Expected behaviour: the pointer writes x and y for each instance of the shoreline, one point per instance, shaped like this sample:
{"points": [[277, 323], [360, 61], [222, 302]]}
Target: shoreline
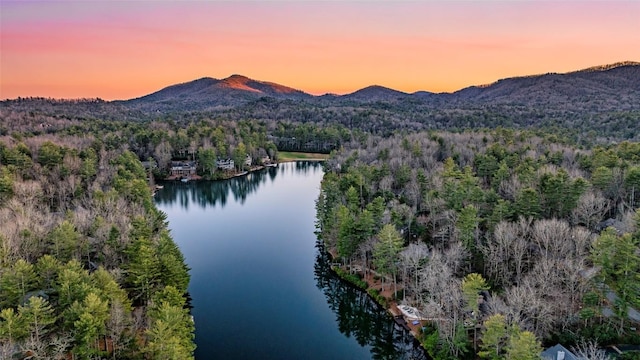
{"points": [[230, 175], [390, 304], [226, 175], [296, 160]]}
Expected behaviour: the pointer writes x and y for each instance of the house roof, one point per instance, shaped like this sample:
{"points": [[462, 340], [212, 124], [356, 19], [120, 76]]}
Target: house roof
{"points": [[553, 352], [179, 165]]}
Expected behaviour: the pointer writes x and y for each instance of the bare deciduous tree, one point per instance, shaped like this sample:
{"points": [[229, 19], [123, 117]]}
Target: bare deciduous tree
{"points": [[588, 350], [454, 256], [582, 239], [590, 209], [59, 346], [118, 322], [412, 258], [36, 347], [507, 253], [434, 278], [534, 311], [163, 154], [553, 237], [510, 188]]}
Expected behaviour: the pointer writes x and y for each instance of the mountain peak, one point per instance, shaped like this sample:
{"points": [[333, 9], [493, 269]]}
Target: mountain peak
{"points": [[375, 93], [239, 82], [237, 77], [208, 92]]}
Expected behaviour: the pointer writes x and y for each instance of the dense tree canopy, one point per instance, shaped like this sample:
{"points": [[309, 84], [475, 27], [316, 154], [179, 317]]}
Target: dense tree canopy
{"points": [[505, 210], [82, 251]]}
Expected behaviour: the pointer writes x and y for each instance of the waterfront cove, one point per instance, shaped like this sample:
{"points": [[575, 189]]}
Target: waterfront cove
{"points": [[261, 286]]}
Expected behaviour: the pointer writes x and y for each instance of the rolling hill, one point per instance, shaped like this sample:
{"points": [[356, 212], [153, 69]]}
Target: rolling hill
{"points": [[609, 86], [209, 93], [375, 93]]}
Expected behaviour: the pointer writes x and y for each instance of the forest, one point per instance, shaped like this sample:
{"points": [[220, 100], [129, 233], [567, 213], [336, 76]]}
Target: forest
{"points": [[88, 269], [498, 237]]}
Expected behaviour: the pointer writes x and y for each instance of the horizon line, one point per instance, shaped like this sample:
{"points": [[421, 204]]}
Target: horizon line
{"points": [[602, 67]]}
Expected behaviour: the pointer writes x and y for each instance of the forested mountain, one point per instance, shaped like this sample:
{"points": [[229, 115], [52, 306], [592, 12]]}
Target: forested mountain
{"points": [[610, 87], [374, 93], [613, 86], [595, 105], [207, 93]]}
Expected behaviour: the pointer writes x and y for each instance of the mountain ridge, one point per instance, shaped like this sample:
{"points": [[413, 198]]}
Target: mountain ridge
{"points": [[236, 89], [619, 81], [603, 100], [611, 87]]}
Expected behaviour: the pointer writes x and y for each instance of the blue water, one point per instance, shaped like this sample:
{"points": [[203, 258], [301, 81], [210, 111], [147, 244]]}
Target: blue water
{"points": [[260, 286]]}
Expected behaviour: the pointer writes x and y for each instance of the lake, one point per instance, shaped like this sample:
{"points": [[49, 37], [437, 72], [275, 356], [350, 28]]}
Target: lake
{"points": [[260, 284]]}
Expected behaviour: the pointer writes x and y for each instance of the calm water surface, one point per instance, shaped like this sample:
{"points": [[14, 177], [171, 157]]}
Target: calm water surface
{"points": [[260, 285]]}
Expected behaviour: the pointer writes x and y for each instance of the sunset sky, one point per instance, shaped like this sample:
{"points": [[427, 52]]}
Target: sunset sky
{"points": [[125, 49]]}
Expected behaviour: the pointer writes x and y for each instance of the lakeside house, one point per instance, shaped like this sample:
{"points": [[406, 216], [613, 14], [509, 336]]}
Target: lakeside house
{"points": [[229, 164], [183, 168], [226, 164]]}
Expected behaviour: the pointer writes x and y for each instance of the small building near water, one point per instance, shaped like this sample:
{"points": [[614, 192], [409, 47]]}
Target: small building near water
{"points": [[225, 164], [183, 168]]}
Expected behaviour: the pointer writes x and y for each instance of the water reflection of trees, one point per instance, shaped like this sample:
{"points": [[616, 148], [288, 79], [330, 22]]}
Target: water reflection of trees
{"points": [[304, 166], [211, 193], [359, 316]]}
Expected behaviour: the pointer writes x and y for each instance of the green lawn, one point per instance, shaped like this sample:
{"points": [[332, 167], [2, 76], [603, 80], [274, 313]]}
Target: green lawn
{"points": [[291, 156]]}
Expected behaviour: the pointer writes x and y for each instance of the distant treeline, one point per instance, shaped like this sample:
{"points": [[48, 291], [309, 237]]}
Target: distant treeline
{"points": [[586, 120]]}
